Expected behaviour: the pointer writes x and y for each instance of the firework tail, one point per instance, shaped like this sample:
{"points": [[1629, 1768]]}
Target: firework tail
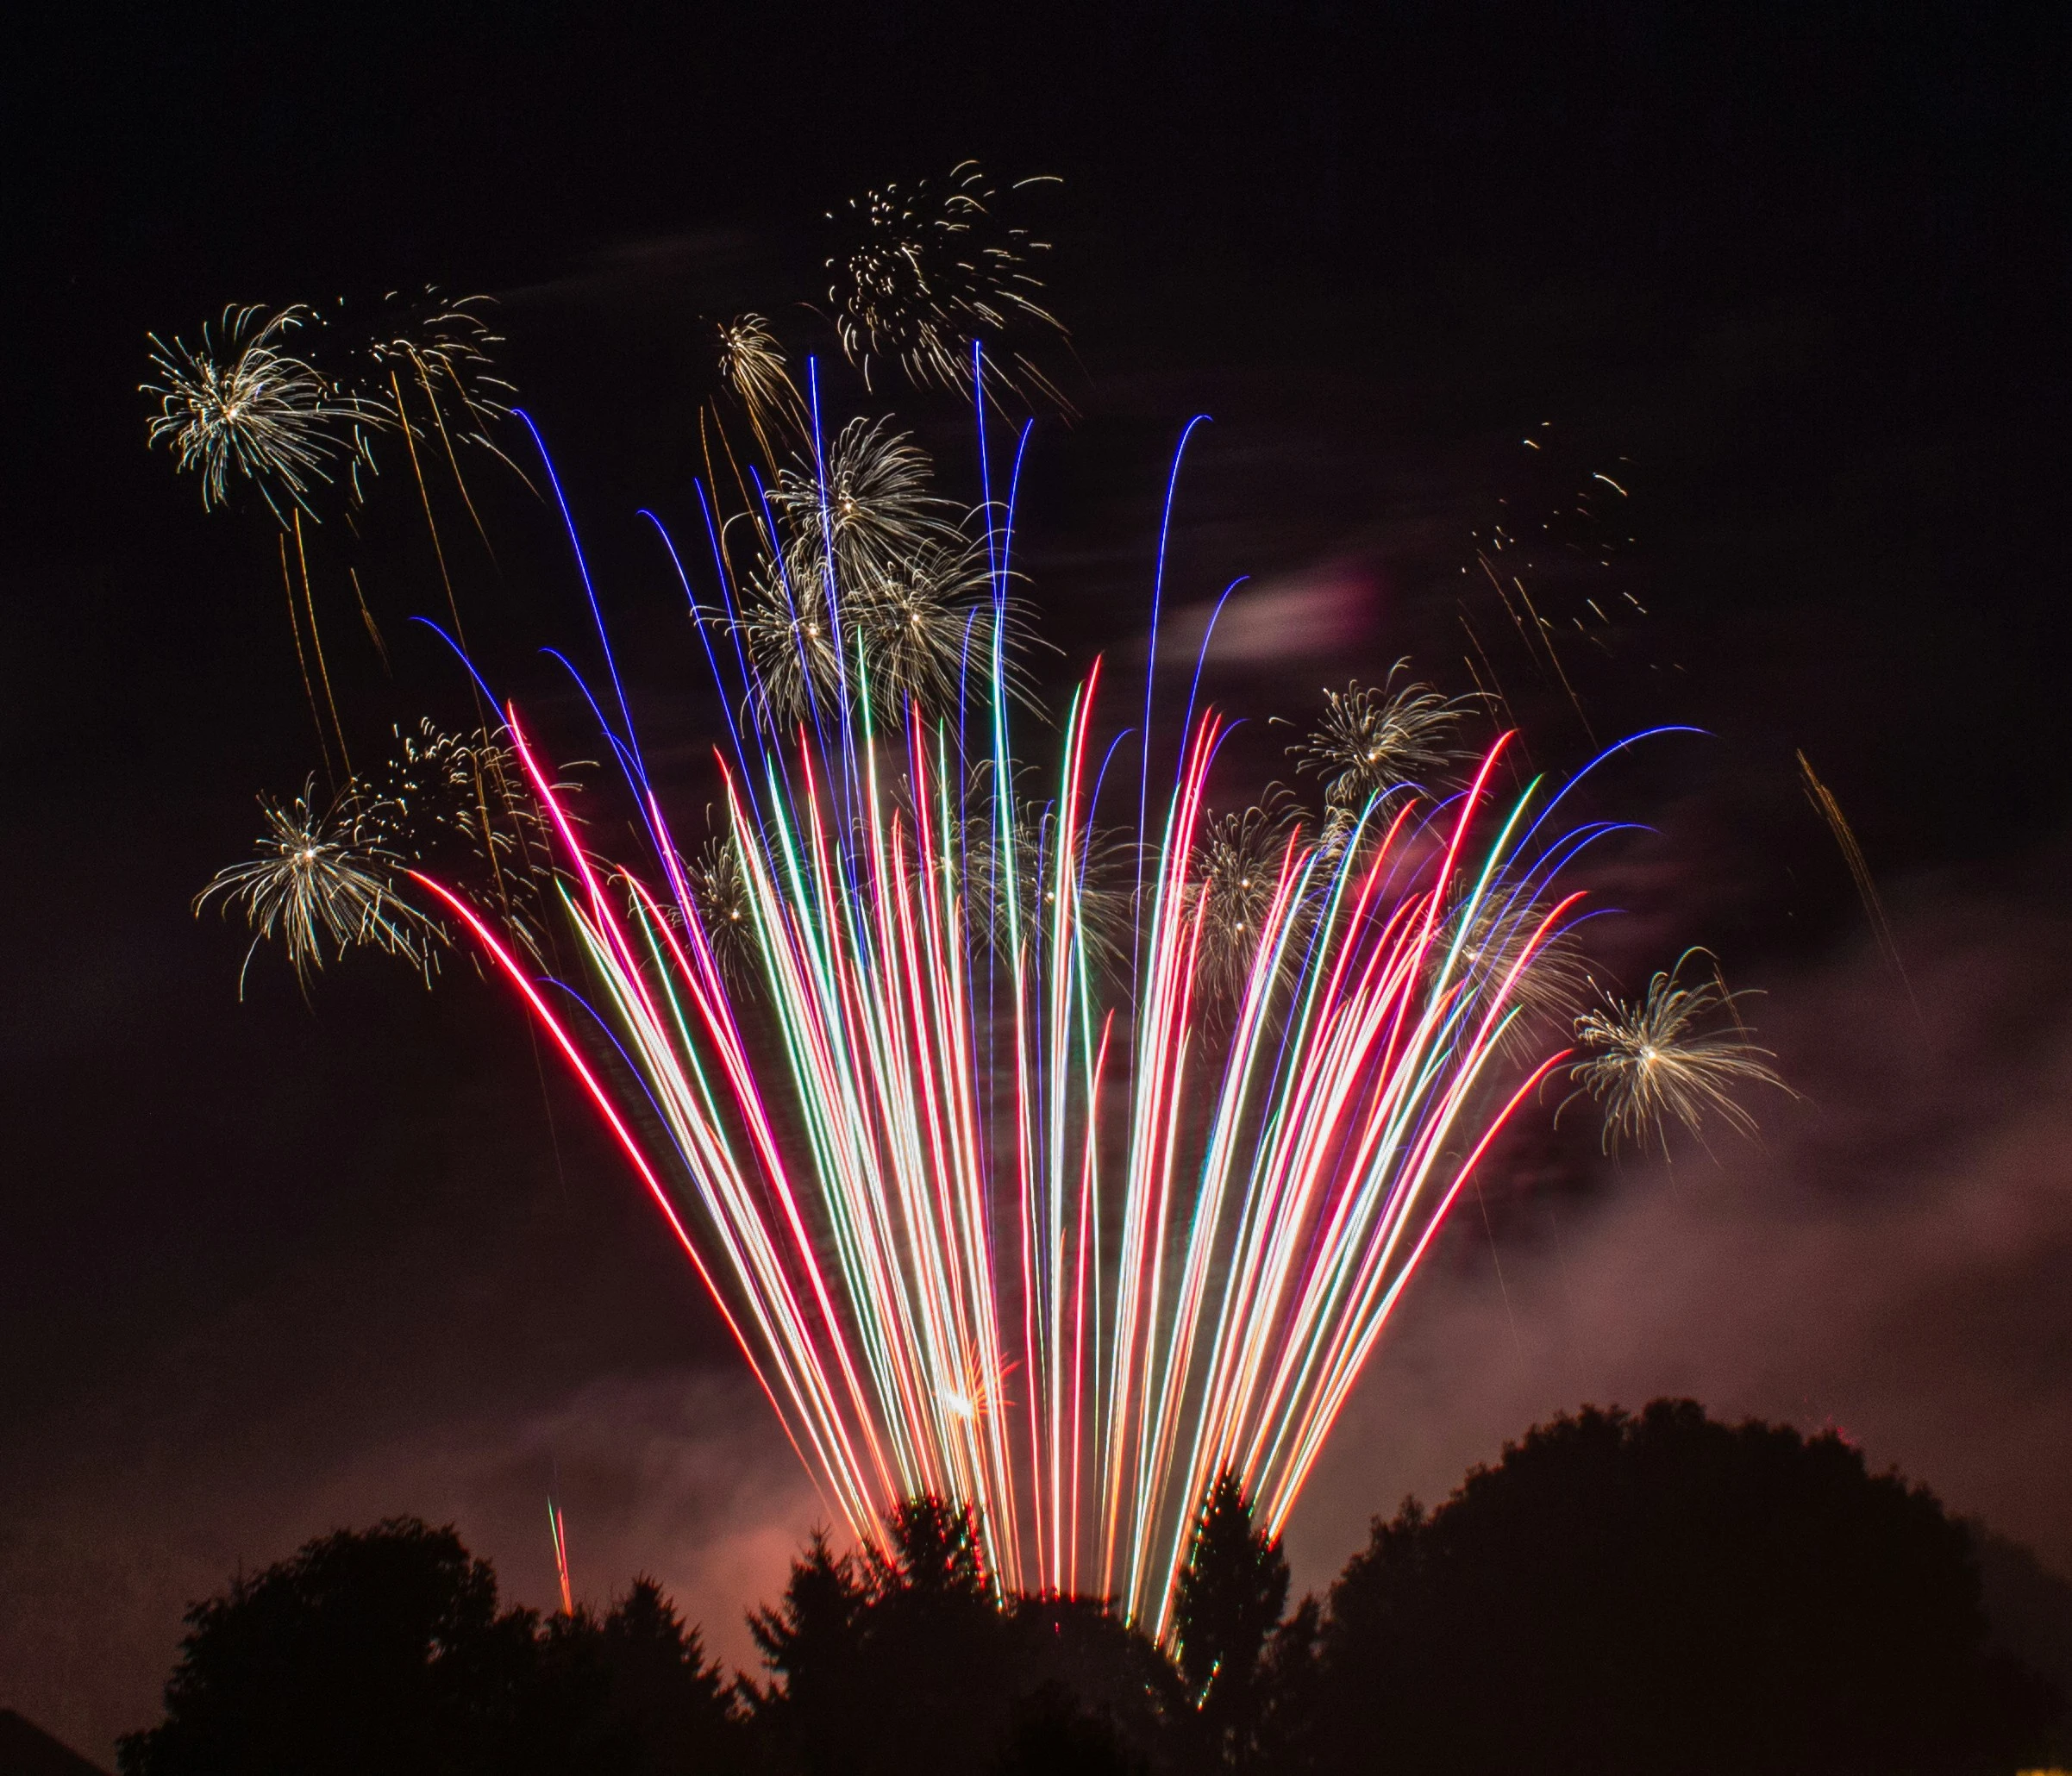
{"points": [[1830, 810], [323, 672], [559, 1529], [302, 661]]}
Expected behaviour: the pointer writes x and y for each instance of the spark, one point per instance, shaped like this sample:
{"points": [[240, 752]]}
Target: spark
{"points": [[1830, 809]]}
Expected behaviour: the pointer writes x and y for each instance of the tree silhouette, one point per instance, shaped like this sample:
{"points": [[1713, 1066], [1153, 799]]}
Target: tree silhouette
{"points": [[382, 1650], [1291, 1684], [1231, 1596], [1625, 1594], [632, 1694], [892, 1661], [385, 1650], [1617, 1595], [912, 1661], [1073, 1649]]}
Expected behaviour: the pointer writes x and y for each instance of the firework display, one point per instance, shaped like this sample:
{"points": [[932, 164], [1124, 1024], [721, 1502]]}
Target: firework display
{"points": [[992, 1229], [1041, 1152]]}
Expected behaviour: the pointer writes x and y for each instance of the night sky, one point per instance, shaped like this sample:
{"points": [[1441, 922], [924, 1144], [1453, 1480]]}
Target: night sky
{"points": [[270, 1268]]}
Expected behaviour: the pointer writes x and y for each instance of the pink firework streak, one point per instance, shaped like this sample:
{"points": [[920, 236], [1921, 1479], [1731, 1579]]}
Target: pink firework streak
{"points": [[988, 1223]]}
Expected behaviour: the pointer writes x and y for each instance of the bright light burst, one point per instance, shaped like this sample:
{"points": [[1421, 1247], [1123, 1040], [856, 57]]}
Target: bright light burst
{"points": [[866, 551], [446, 342], [752, 364], [242, 403], [1237, 871], [865, 509], [1648, 1063]]}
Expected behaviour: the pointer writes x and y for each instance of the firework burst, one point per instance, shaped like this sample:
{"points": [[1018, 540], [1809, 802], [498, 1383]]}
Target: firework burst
{"points": [[861, 515], [1499, 934], [324, 877], [1649, 1063], [924, 272], [1237, 871], [865, 551], [241, 404], [726, 912], [787, 628], [462, 804], [447, 344], [1375, 742], [751, 364]]}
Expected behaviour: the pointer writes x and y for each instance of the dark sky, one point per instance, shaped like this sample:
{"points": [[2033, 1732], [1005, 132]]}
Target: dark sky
{"points": [[267, 1268]]}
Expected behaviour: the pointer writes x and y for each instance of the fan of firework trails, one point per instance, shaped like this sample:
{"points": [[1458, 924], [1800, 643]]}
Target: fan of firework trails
{"points": [[1047, 1141]]}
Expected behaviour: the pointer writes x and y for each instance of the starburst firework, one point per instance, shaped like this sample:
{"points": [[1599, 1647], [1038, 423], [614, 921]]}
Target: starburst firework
{"points": [[1374, 742], [752, 365], [866, 551], [925, 273], [241, 404], [1237, 871], [323, 877], [1649, 1063]]}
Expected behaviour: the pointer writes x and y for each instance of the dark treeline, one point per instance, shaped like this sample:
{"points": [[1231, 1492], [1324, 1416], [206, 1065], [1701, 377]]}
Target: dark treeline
{"points": [[1618, 1594]]}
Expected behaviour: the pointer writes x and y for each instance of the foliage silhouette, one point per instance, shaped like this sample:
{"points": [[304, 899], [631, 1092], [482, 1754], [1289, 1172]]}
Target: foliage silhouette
{"points": [[1054, 1734], [632, 1694], [1624, 1594], [2031, 1610]]}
